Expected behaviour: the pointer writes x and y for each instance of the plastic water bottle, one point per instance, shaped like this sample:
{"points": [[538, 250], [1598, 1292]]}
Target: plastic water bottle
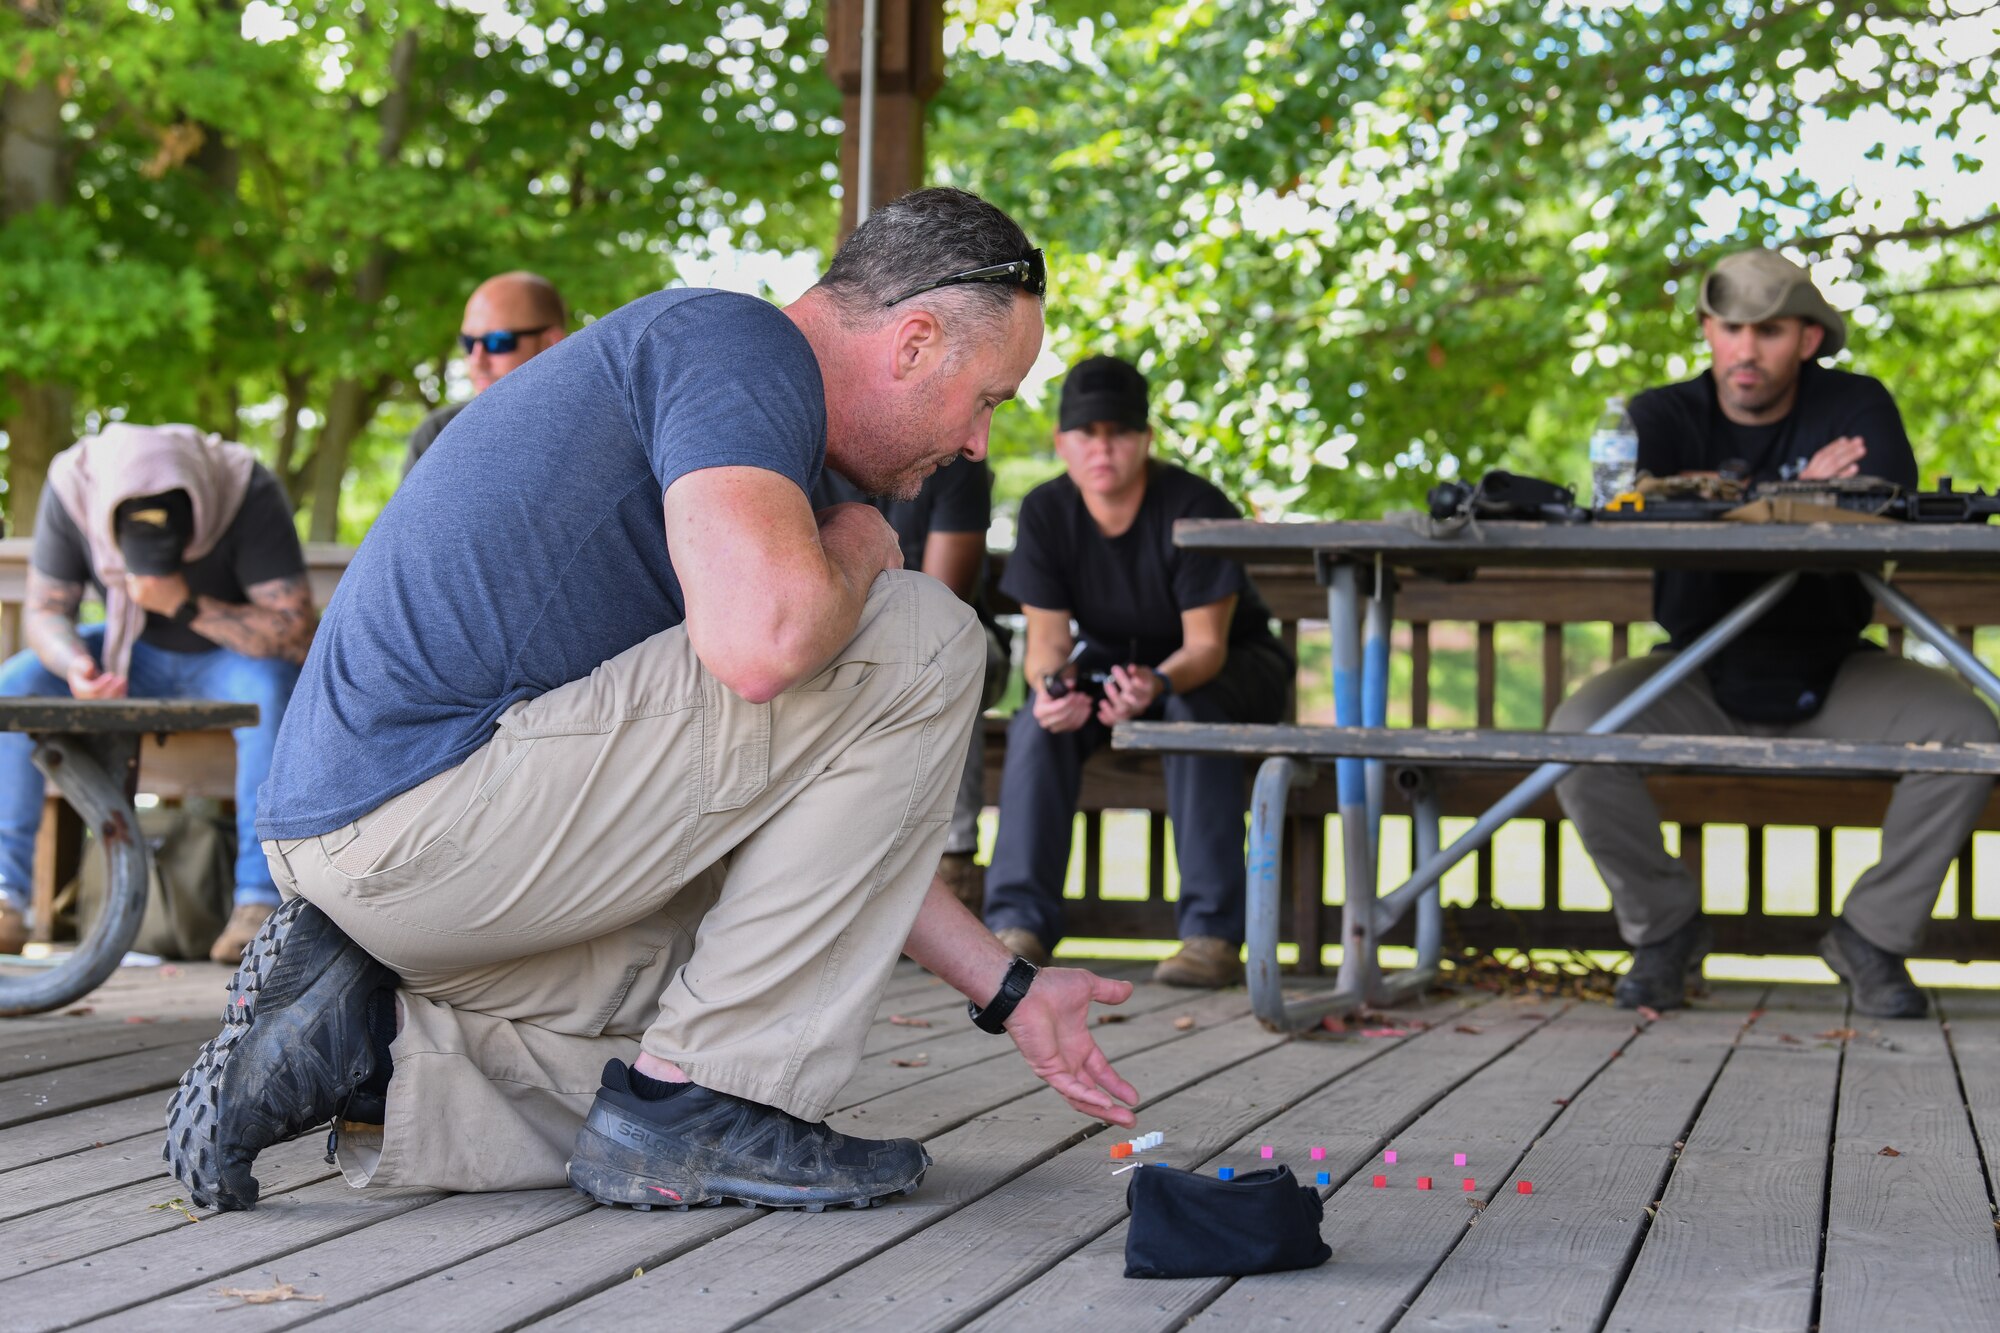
{"points": [[1614, 454]]}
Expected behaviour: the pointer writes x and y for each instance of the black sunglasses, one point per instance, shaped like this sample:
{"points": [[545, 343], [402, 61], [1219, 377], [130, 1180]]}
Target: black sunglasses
{"points": [[499, 342], [1031, 275]]}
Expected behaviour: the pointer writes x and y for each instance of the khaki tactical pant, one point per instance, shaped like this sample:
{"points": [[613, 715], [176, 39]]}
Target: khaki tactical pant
{"points": [[642, 859], [1875, 697]]}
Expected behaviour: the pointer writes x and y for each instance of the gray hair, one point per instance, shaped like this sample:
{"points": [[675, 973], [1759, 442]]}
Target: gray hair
{"points": [[919, 238]]}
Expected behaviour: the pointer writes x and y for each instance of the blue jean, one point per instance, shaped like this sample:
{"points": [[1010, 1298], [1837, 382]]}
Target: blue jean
{"points": [[156, 674]]}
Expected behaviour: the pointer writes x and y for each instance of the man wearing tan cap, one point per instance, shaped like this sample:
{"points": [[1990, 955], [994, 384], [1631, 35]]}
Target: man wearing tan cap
{"points": [[1803, 670]]}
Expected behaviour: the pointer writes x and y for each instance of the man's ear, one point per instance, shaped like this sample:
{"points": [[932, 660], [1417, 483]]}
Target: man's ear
{"points": [[917, 344], [1810, 338]]}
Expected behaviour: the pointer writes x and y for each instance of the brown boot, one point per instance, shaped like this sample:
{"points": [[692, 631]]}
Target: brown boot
{"points": [[13, 928], [966, 879], [244, 923], [1024, 943], [1204, 961]]}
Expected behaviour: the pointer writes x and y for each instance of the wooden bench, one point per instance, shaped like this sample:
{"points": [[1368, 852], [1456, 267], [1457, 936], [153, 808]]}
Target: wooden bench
{"points": [[175, 765]]}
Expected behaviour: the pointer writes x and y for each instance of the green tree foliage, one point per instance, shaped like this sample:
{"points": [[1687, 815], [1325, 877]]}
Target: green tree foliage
{"points": [[1360, 246], [268, 216]]}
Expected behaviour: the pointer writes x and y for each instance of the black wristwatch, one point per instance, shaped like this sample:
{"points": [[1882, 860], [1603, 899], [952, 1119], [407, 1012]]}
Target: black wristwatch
{"points": [[185, 613], [1166, 681], [1013, 987]]}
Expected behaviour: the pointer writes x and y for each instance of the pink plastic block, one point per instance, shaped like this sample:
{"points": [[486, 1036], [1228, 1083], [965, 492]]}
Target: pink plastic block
{"points": [[1468, 1184], [1458, 1159], [1525, 1187], [1265, 1152], [1319, 1154], [1381, 1182], [1389, 1156]]}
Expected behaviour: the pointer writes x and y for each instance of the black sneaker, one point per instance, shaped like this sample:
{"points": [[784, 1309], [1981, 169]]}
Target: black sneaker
{"points": [[1661, 973], [295, 1051], [1877, 980], [700, 1147]]}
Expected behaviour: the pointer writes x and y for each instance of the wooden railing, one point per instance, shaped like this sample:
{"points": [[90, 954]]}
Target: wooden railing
{"points": [[1432, 614]]}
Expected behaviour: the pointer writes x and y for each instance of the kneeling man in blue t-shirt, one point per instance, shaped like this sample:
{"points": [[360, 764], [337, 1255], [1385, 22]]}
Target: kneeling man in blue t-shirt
{"points": [[615, 781]]}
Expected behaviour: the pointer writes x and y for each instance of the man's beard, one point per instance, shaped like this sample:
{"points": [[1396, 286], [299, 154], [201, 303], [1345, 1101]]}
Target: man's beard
{"points": [[889, 472]]}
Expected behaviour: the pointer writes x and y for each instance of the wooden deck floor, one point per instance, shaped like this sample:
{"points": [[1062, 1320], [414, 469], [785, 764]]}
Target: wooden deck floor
{"points": [[1749, 1164]]}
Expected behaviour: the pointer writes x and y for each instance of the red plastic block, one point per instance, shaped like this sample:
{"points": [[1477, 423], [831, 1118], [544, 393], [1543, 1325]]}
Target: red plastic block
{"points": [[1381, 1182], [1423, 1182], [1525, 1187], [1468, 1184]]}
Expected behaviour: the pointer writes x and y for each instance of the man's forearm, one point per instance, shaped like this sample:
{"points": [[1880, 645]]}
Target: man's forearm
{"points": [[49, 622], [254, 631], [1194, 665], [950, 942]]}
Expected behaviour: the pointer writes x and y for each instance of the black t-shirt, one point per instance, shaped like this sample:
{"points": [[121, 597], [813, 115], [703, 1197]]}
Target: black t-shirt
{"points": [[958, 497], [260, 544], [1780, 668], [1127, 592], [427, 432]]}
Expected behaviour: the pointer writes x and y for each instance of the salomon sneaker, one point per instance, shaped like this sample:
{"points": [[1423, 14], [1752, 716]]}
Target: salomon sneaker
{"points": [[696, 1146], [1661, 973], [304, 1039]]}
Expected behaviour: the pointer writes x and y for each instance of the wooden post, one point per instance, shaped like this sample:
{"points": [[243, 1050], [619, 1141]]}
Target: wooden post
{"points": [[908, 72]]}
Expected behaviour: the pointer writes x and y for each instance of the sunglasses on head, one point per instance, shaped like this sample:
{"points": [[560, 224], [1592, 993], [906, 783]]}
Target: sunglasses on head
{"points": [[1031, 275], [499, 342]]}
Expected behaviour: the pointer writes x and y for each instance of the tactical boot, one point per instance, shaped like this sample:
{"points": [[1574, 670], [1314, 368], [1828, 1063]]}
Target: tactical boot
{"points": [[304, 1039], [1204, 962], [1661, 973], [1025, 943], [242, 927], [966, 879], [1877, 980], [696, 1146]]}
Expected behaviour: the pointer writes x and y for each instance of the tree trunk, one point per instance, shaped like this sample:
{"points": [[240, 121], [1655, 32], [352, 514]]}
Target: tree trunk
{"points": [[353, 402], [33, 172]]}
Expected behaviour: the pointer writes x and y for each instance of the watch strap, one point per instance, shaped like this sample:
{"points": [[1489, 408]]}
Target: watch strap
{"points": [[1013, 988], [184, 614]]}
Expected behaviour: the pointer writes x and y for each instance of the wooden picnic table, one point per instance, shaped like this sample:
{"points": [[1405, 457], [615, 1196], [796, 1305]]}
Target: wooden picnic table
{"points": [[1360, 564], [88, 749]]}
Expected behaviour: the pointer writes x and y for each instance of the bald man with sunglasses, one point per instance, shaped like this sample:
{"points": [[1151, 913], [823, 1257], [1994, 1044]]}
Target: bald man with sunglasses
{"points": [[508, 319]]}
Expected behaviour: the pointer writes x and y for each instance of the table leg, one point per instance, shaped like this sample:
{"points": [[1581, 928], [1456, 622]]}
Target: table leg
{"points": [[1684, 664], [1358, 969], [94, 775], [1275, 779], [1937, 636]]}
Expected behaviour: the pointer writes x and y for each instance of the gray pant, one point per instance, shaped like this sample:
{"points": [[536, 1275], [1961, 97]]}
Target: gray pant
{"points": [[963, 837], [1875, 697]]}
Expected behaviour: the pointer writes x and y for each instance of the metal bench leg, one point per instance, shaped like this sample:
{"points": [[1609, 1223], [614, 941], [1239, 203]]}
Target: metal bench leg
{"points": [[1275, 780], [93, 775], [1359, 972], [1937, 636]]}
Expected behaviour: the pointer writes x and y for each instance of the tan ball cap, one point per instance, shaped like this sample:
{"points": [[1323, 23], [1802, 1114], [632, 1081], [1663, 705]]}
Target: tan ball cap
{"points": [[1757, 285]]}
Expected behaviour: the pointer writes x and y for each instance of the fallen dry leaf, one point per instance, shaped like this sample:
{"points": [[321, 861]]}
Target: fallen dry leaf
{"points": [[1789, 1039], [914, 1062], [140, 1018], [1468, 1029], [1837, 1034], [1536, 1016], [1562, 1101], [1385, 1032], [1186, 1021], [1102, 1019], [1888, 1152], [904, 1021], [81, 1011], [169, 970], [638, 1272], [1331, 1023], [283, 1291], [173, 1205], [1650, 1014]]}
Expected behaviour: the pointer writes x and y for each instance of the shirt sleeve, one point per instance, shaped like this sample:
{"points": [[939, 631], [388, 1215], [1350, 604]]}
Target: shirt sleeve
{"points": [[1662, 436], [964, 500], [1037, 572], [60, 553], [727, 381], [267, 540], [1875, 418], [1200, 578]]}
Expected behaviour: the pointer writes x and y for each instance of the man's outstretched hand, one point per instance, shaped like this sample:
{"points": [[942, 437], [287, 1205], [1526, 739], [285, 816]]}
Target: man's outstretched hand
{"points": [[1051, 1025]]}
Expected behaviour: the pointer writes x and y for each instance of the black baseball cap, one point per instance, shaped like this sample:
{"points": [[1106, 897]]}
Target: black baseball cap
{"points": [[153, 531], [1103, 388]]}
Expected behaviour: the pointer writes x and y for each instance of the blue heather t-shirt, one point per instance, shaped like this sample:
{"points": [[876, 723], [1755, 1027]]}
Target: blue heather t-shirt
{"points": [[527, 546]]}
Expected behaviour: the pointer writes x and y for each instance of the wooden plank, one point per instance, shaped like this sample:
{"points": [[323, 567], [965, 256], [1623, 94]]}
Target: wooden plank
{"points": [[83, 1227], [82, 1131], [102, 716], [1555, 1258], [40, 1095], [983, 1253], [46, 1055], [544, 1273], [1707, 753], [1734, 1243], [1910, 1238]]}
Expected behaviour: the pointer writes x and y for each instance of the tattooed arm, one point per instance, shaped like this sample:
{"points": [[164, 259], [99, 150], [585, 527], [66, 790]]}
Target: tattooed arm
{"points": [[277, 621], [51, 627]]}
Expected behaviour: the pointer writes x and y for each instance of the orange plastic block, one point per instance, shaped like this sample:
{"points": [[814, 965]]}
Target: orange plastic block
{"points": [[1121, 1150]]}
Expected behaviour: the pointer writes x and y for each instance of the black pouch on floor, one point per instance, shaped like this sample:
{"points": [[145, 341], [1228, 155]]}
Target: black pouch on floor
{"points": [[1185, 1225]]}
